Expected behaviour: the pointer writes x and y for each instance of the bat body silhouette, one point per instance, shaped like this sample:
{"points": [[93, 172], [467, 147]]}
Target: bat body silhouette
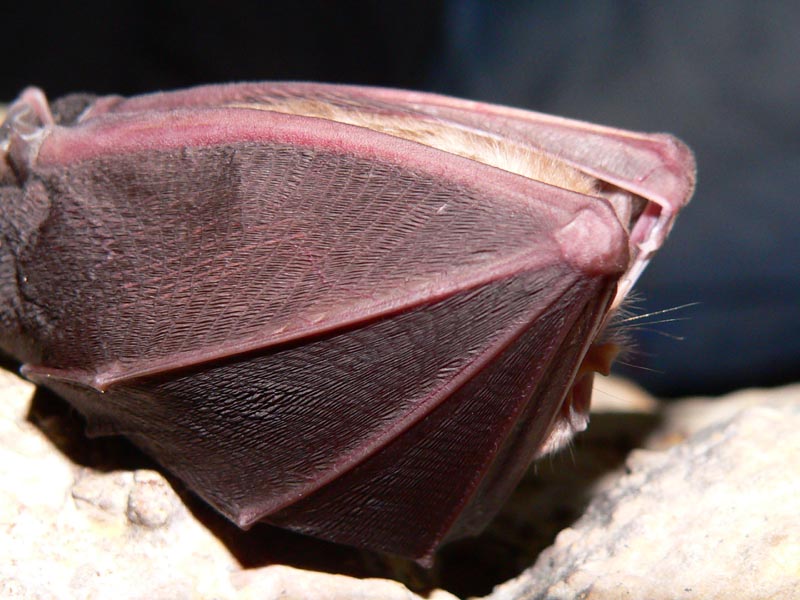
{"points": [[352, 312]]}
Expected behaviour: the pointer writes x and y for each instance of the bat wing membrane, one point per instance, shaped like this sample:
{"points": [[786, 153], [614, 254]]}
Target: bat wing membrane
{"points": [[657, 169], [311, 307]]}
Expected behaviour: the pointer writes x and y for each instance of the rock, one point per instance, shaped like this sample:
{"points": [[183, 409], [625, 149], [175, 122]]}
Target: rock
{"points": [[705, 508], [151, 502], [286, 583], [713, 516]]}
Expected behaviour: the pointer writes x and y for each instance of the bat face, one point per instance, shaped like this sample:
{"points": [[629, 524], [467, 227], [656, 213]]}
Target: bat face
{"points": [[353, 312]]}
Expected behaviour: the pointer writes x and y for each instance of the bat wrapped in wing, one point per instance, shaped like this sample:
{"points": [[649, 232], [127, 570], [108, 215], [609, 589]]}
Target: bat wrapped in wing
{"points": [[352, 312]]}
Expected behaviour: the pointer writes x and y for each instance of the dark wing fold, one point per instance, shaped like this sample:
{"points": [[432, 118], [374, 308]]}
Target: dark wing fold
{"points": [[448, 475], [381, 436]]}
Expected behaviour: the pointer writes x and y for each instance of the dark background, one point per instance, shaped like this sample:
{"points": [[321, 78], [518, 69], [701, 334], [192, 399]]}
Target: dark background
{"points": [[725, 77]]}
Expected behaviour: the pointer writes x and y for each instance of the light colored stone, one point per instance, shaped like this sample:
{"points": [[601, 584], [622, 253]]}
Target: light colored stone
{"points": [[288, 583], [689, 415], [617, 395], [715, 515], [151, 502]]}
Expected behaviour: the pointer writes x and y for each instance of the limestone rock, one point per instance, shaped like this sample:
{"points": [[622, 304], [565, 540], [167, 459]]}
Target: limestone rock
{"points": [[713, 516]]}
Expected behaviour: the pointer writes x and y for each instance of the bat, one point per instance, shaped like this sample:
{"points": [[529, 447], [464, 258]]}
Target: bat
{"points": [[356, 313]]}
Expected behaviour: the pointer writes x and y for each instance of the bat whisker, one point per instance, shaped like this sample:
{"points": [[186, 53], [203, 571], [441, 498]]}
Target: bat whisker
{"points": [[672, 320], [678, 338], [600, 390], [659, 312], [570, 447], [640, 367]]}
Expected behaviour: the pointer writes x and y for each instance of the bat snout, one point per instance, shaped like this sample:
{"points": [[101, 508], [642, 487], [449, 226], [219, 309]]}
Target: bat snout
{"points": [[573, 417]]}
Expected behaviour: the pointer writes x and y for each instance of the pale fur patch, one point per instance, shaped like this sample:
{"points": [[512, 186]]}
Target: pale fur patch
{"points": [[448, 137]]}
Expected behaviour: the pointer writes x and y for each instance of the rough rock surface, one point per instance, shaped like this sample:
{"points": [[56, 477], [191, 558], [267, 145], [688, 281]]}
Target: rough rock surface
{"points": [[706, 508], [714, 516]]}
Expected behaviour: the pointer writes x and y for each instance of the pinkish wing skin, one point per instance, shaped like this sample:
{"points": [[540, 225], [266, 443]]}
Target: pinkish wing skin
{"points": [[657, 168], [346, 333]]}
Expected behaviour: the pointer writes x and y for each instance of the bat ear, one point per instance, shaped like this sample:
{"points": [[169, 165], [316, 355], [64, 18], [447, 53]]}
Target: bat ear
{"points": [[30, 111], [22, 133]]}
